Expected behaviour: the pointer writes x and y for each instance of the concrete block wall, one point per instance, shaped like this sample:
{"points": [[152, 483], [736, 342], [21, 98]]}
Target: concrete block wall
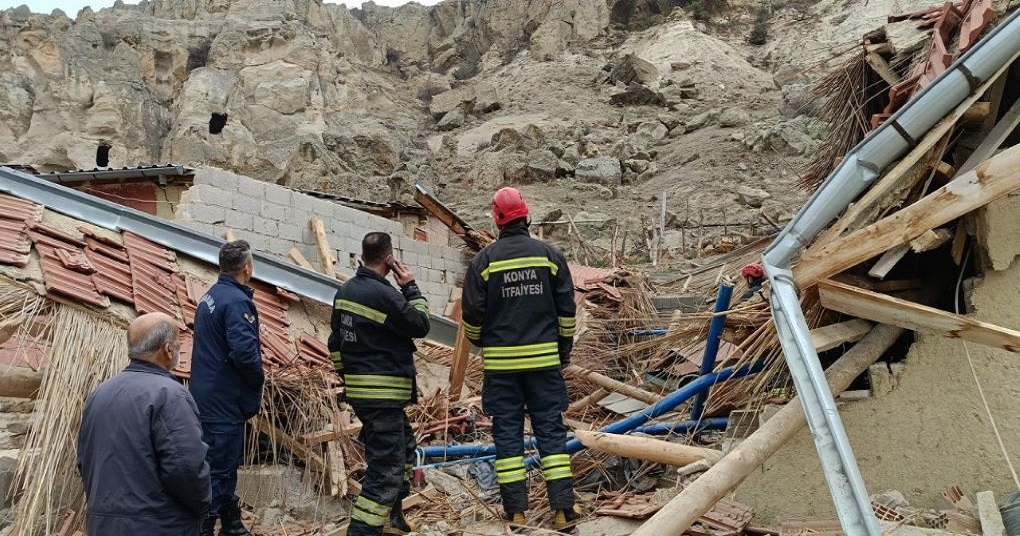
{"points": [[273, 219]]}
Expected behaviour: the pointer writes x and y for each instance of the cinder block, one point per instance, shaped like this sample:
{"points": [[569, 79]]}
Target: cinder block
{"points": [[409, 258], [266, 227], [280, 246], [273, 211], [218, 197], [251, 188], [238, 220], [257, 241], [219, 178], [250, 205], [200, 227], [290, 232], [207, 213]]}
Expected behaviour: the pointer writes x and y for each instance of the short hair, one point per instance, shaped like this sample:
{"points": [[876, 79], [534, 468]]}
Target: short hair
{"points": [[375, 247], [161, 333], [234, 255]]}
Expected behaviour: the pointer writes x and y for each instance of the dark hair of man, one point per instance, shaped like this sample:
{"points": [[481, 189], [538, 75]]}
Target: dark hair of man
{"points": [[233, 256], [375, 247]]}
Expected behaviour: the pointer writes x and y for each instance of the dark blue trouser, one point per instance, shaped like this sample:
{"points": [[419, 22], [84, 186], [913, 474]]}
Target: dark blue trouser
{"points": [[389, 453], [226, 445], [543, 394]]}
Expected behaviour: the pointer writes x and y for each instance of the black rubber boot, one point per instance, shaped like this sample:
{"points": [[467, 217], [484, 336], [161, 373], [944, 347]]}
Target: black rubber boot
{"points": [[230, 522], [398, 525], [209, 526]]}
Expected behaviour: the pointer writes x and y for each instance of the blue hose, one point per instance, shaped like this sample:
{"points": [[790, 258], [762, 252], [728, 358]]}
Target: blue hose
{"points": [[681, 427]]}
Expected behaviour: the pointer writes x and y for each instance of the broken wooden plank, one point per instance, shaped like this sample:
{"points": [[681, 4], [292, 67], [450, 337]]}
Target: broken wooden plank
{"points": [[700, 496], [930, 239], [978, 113], [313, 460], [995, 138], [959, 244], [888, 261], [896, 312], [325, 251], [458, 366], [880, 66], [646, 448], [834, 335], [586, 401], [891, 285], [337, 469], [613, 385], [988, 513], [229, 235], [326, 436], [990, 181], [299, 259]]}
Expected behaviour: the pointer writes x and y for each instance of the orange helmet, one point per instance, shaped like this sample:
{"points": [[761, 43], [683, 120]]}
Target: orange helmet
{"points": [[753, 270], [508, 205]]}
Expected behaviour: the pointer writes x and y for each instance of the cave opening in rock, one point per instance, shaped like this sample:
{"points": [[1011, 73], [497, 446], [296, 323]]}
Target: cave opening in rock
{"points": [[217, 122], [103, 155]]}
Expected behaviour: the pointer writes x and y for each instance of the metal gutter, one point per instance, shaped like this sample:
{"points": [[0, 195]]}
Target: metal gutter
{"points": [[201, 246], [856, 172], [160, 173]]}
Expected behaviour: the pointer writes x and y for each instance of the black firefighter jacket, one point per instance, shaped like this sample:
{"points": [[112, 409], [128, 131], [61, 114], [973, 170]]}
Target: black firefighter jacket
{"points": [[371, 340], [518, 304], [141, 456]]}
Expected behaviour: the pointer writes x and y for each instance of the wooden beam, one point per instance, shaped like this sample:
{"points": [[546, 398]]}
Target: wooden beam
{"points": [[831, 336], [896, 312], [458, 366], [931, 239], [326, 436], [991, 180], [313, 460], [586, 401], [892, 285], [995, 138], [229, 235], [322, 246], [337, 469], [646, 448], [889, 261], [677, 516], [991, 518], [854, 215], [613, 385], [880, 66], [299, 259], [977, 114]]}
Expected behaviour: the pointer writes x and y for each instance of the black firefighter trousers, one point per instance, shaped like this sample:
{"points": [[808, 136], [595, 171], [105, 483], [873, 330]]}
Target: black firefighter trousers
{"points": [[543, 394], [389, 452]]}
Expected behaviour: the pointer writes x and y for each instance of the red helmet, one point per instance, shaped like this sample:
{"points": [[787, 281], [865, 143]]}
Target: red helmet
{"points": [[753, 270], [508, 205]]}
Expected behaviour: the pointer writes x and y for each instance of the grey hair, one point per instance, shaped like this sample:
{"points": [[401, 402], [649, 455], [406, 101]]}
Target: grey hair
{"points": [[160, 334], [233, 256]]}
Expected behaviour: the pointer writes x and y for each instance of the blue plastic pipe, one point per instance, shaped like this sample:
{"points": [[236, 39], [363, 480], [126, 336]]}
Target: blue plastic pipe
{"points": [[681, 427], [715, 329]]}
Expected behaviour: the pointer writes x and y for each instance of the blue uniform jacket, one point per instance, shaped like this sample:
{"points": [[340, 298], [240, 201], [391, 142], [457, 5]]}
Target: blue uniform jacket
{"points": [[226, 361], [141, 456]]}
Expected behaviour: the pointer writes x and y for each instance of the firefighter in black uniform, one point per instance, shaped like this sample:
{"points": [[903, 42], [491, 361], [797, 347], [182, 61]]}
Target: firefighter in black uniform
{"points": [[372, 349], [518, 306]]}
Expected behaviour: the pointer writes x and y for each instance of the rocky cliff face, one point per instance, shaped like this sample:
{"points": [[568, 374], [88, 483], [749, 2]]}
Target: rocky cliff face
{"points": [[594, 105]]}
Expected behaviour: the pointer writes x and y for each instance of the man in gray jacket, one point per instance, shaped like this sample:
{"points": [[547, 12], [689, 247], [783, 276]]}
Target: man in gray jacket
{"points": [[140, 450]]}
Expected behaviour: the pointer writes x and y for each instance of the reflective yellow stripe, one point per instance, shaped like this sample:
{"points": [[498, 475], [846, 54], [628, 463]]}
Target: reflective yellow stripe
{"points": [[338, 362], [369, 512], [567, 332], [509, 463], [525, 363], [421, 304], [372, 380], [520, 351], [378, 394], [510, 477], [360, 310], [554, 460], [473, 332], [566, 321], [558, 473], [518, 263], [371, 506]]}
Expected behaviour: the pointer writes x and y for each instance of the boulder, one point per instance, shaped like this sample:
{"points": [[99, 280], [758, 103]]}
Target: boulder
{"points": [[603, 170], [734, 117], [702, 120], [632, 69], [453, 119], [542, 165], [637, 166], [638, 95], [652, 131], [750, 196]]}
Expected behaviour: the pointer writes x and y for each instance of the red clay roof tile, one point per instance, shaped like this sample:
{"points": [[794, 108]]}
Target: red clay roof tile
{"points": [[69, 283]]}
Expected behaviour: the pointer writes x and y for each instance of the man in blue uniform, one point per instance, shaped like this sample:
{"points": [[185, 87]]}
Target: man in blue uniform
{"points": [[519, 308], [140, 450], [373, 327], [227, 379]]}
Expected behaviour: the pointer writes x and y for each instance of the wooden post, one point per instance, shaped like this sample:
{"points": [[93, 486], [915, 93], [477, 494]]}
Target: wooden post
{"points": [[698, 498], [300, 259], [991, 180], [584, 402], [662, 230], [322, 246], [459, 365], [616, 233], [613, 385], [337, 469], [646, 448]]}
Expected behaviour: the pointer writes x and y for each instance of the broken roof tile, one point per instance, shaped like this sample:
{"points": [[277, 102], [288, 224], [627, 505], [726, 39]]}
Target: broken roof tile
{"points": [[119, 254], [53, 232], [72, 284], [152, 253], [75, 260], [183, 368]]}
